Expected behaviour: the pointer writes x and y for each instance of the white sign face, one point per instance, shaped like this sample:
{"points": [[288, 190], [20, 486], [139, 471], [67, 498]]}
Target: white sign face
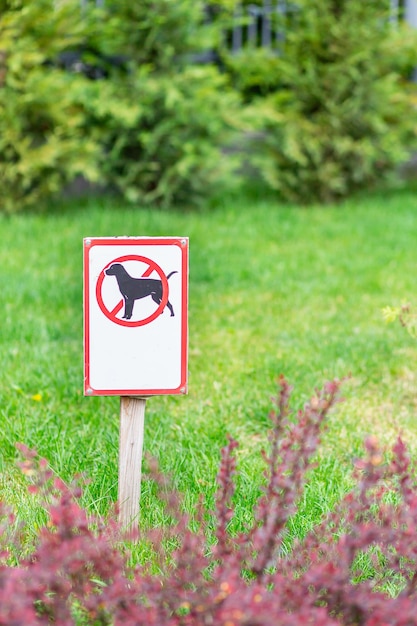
{"points": [[135, 316]]}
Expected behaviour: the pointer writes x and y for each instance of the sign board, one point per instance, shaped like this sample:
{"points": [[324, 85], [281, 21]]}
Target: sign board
{"points": [[135, 316]]}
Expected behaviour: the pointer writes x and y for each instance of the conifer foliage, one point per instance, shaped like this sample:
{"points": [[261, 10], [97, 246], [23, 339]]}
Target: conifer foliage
{"points": [[334, 108]]}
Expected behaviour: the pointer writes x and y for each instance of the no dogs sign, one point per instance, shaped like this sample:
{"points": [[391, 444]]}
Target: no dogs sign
{"points": [[135, 316]]}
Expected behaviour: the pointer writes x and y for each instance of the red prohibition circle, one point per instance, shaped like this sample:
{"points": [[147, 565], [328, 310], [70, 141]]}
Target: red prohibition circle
{"points": [[111, 315]]}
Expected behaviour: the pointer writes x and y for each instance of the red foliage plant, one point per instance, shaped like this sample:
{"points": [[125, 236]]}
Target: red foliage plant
{"points": [[78, 573]]}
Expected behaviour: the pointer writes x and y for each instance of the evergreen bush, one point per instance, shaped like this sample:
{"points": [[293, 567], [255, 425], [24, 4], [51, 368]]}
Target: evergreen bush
{"points": [[336, 113], [113, 94], [163, 142], [165, 122], [356, 568], [42, 141]]}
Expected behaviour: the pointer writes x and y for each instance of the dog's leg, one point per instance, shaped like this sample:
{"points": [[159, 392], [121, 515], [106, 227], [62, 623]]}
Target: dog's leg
{"points": [[128, 308], [156, 298]]}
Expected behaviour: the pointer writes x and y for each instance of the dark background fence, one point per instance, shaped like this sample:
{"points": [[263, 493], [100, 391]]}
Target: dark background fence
{"points": [[265, 24]]}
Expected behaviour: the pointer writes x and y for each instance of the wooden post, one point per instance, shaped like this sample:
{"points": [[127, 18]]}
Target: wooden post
{"points": [[132, 419]]}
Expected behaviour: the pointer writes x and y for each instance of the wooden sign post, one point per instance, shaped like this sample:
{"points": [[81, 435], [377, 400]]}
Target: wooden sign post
{"points": [[135, 337], [132, 421]]}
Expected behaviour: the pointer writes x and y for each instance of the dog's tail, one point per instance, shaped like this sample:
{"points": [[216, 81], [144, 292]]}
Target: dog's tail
{"points": [[170, 274]]}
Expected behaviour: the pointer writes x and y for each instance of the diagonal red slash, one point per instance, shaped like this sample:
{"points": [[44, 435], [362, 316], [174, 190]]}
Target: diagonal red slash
{"points": [[117, 308]]}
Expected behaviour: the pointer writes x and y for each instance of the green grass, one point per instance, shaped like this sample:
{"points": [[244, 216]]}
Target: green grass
{"points": [[273, 289]]}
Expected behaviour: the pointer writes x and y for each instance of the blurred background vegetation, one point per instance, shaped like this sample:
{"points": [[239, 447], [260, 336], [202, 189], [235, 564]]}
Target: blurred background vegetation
{"points": [[172, 102]]}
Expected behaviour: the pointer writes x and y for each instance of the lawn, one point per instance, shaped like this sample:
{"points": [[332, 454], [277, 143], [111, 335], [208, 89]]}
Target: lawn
{"points": [[274, 289]]}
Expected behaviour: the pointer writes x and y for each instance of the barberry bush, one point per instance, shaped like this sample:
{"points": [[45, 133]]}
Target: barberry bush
{"points": [[357, 567]]}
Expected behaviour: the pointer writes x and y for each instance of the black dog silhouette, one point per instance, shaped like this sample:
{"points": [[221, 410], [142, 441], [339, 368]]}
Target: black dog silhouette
{"points": [[135, 288]]}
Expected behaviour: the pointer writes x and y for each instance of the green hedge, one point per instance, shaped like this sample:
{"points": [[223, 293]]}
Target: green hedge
{"points": [[167, 118], [135, 112], [334, 109], [42, 142], [169, 151], [151, 127]]}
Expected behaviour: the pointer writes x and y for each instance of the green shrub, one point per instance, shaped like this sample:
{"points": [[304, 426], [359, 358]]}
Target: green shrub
{"points": [[337, 113], [42, 144], [158, 33], [162, 137], [152, 127], [164, 122]]}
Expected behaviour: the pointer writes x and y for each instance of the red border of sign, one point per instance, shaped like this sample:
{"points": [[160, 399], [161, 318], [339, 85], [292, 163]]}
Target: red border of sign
{"points": [[182, 243]]}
